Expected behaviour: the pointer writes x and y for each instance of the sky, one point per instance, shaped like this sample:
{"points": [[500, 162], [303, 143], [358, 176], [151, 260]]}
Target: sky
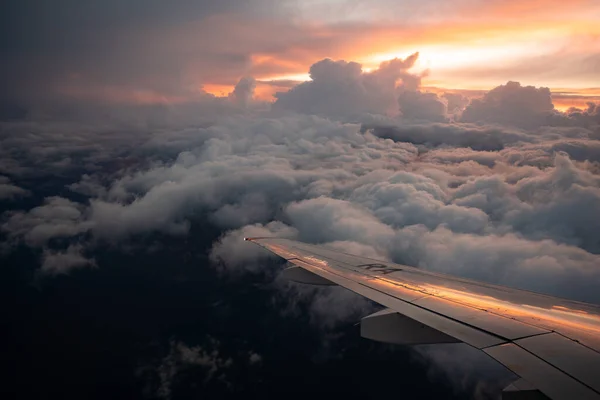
{"points": [[141, 141], [155, 51]]}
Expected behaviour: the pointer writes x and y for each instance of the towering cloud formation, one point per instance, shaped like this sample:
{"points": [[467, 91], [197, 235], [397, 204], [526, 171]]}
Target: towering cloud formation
{"points": [[243, 92], [342, 88], [422, 106], [513, 105]]}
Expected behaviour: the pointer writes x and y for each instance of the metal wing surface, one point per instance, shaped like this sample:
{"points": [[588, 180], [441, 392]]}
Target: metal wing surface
{"points": [[553, 344]]}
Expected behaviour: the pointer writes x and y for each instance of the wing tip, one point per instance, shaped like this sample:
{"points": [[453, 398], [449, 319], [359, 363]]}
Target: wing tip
{"points": [[251, 239]]}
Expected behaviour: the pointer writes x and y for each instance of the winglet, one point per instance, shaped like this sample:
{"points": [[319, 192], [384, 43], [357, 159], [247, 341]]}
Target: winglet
{"points": [[251, 239]]}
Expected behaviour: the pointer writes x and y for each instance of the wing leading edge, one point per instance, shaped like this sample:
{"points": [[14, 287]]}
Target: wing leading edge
{"points": [[552, 344]]}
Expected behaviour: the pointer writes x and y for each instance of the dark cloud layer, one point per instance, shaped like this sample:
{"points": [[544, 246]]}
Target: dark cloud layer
{"points": [[45, 45]]}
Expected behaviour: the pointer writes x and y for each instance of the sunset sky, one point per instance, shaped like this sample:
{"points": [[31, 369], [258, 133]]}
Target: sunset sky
{"points": [[156, 51]]}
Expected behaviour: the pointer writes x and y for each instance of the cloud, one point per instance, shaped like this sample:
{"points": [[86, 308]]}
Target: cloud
{"points": [[107, 129], [9, 191], [470, 370], [385, 187], [456, 101], [560, 204], [254, 358], [143, 51], [386, 191], [56, 218], [212, 364], [587, 117], [490, 138], [503, 204], [328, 307], [243, 93], [325, 220], [182, 357], [424, 106], [58, 262], [233, 254], [342, 88], [507, 259], [512, 105]]}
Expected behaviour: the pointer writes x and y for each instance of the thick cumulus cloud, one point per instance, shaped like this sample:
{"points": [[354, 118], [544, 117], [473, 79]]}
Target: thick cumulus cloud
{"points": [[422, 106], [243, 93], [513, 105], [341, 88], [56, 218]]}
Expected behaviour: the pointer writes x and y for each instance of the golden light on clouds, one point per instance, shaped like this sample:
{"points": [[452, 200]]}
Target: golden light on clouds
{"points": [[539, 42], [463, 44]]}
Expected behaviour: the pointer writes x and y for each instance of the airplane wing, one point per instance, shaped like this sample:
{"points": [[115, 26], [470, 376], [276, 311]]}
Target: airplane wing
{"points": [[552, 344]]}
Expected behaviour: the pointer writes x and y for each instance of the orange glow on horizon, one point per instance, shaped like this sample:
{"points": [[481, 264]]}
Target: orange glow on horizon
{"points": [[474, 46], [563, 104], [217, 89]]}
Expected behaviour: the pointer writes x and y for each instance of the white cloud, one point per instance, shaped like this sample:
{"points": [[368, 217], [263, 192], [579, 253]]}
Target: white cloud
{"points": [[56, 218], [342, 88]]}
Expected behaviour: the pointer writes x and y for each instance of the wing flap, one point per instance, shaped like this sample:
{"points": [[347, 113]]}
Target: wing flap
{"points": [[548, 379], [470, 335], [566, 355]]}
